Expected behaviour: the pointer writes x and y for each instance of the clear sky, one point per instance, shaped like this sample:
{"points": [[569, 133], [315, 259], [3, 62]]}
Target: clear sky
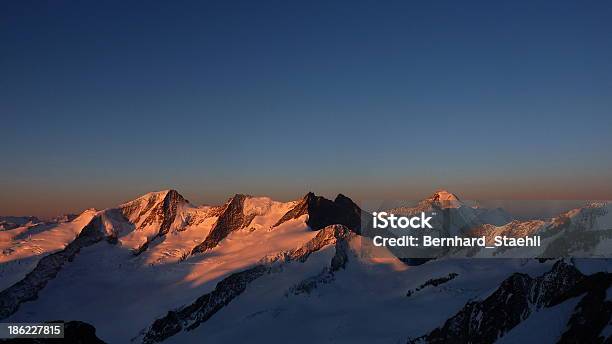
{"points": [[101, 101]]}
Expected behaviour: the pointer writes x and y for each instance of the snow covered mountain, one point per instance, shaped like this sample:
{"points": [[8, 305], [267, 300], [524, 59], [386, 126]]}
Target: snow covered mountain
{"points": [[586, 229], [580, 232], [160, 269], [12, 222], [23, 247], [455, 215]]}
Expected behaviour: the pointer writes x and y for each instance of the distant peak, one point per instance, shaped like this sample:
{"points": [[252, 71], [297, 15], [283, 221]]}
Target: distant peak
{"points": [[443, 195]]}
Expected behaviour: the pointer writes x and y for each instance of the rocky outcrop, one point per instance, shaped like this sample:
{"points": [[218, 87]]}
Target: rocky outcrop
{"points": [[323, 212], [75, 332], [231, 219], [434, 282], [47, 268], [519, 296], [338, 262], [204, 307], [191, 316], [593, 312]]}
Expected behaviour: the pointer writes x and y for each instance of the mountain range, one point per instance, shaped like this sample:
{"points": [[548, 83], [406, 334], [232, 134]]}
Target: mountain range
{"points": [[161, 269]]}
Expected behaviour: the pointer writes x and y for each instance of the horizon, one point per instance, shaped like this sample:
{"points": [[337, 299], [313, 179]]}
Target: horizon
{"points": [[48, 205], [519, 209], [105, 101]]}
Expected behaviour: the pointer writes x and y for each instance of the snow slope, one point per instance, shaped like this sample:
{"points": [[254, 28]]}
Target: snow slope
{"points": [[21, 248]]}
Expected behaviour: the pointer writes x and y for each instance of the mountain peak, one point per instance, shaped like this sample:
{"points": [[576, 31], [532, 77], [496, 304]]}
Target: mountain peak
{"points": [[341, 198], [310, 195], [443, 195], [239, 197], [231, 219], [173, 196], [323, 212], [157, 196], [158, 207]]}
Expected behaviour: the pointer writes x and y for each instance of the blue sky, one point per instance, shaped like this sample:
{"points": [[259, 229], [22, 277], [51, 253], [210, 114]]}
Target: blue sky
{"points": [[102, 101]]}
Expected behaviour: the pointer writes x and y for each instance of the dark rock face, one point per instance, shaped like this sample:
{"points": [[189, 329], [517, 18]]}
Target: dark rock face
{"points": [[340, 258], [519, 295], [47, 268], [191, 316], [323, 212], [232, 218], [169, 206], [75, 332]]}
